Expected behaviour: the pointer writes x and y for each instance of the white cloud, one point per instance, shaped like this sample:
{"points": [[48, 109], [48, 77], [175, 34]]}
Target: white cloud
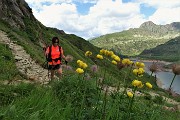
{"points": [[168, 11], [162, 3], [104, 16], [165, 15]]}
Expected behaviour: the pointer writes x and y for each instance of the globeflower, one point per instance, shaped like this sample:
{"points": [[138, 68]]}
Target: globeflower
{"points": [[137, 83], [113, 56], [102, 51], [99, 57], [111, 53], [149, 85], [79, 61], [130, 94], [135, 71], [84, 65], [126, 62], [139, 72], [88, 53], [79, 70], [114, 62], [117, 58], [140, 65]]}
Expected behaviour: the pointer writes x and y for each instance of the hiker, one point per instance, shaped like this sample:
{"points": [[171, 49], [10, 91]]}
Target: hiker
{"points": [[54, 55]]}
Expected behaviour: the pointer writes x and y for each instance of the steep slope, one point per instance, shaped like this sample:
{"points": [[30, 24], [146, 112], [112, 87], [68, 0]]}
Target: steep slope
{"points": [[134, 41], [25, 36], [168, 51]]}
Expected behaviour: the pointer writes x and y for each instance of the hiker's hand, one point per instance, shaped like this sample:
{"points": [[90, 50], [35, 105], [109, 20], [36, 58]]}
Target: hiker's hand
{"points": [[66, 62]]}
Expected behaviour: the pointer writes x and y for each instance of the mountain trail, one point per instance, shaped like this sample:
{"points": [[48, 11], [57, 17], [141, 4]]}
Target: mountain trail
{"points": [[25, 64]]}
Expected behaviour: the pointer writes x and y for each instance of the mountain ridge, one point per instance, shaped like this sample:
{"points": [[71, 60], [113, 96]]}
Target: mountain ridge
{"points": [[133, 41]]}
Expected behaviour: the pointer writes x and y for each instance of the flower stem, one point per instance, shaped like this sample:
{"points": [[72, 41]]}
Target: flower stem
{"points": [[172, 81]]}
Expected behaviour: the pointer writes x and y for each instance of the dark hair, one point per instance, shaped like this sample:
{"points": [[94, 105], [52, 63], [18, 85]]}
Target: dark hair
{"points": [[55, 39]]}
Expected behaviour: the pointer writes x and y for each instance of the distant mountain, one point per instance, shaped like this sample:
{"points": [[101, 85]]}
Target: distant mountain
{"points": [[135, 40], [168, 51]]}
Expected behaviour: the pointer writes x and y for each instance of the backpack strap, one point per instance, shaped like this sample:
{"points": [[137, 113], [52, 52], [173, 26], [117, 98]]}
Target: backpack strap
{"points": [[60, 58], [49, 59]]}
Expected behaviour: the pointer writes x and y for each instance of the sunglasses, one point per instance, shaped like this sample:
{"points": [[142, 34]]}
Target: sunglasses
{"points": [[55, 42]]}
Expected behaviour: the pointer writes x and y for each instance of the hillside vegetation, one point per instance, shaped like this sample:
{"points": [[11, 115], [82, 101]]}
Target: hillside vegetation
{"points": [[133, 41], [168, 51]]}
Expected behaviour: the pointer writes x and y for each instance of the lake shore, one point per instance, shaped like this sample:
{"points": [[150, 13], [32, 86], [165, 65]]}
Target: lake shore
{"points": [[161, 65], [161, 68]]}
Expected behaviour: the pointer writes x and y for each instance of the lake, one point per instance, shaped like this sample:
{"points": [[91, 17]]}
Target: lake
{"points": [[166, 78]]}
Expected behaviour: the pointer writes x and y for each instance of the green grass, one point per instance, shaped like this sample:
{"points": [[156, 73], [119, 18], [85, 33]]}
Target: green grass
{"points": [[76, 98], [7, 64]]}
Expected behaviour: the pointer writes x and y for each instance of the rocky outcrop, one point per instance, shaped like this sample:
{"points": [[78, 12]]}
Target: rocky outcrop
{"points": [[14, 11], [161, 29], [25, 64]]}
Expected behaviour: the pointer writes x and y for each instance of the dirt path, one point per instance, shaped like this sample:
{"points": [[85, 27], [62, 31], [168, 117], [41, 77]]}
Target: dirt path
{"points": [[25, 64]]}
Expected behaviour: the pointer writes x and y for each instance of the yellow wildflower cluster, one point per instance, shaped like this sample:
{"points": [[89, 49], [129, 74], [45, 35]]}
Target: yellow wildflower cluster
{"points": [[149, 85], [127, 62], [130, 94], [82, 64], [139, 65], [88, 53], [116, 58], [137, 83], [106, 52], [99, 56], [139, 72], [79, 70], [114, 62]]}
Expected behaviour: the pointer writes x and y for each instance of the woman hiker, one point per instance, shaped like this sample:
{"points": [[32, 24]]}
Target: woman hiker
{"points": [[54, 55]]}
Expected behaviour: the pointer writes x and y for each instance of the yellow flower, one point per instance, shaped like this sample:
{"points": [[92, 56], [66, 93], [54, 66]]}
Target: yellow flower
{"points": [[88, 53], [135, 71], [140, 71], [129, 62], [130, 94], [117, 58], [114, 62], [79, 70], [140, 65], [79, 61], [84, 65], [149, 85], [111, 53], [126, 62], [102, 51], [106, 52], [99, 57], [137, 83], [113, 56]]}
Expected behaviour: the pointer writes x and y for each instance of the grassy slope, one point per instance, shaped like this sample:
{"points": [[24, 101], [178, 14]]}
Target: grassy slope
{"points": [[169, 51], [37, 102]]}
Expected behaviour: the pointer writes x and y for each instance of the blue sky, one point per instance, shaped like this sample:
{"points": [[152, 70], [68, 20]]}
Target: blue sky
{"points": [[93, 18]]}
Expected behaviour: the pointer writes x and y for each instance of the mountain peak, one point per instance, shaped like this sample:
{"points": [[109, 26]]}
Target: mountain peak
{"points": [[147, 24]]}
